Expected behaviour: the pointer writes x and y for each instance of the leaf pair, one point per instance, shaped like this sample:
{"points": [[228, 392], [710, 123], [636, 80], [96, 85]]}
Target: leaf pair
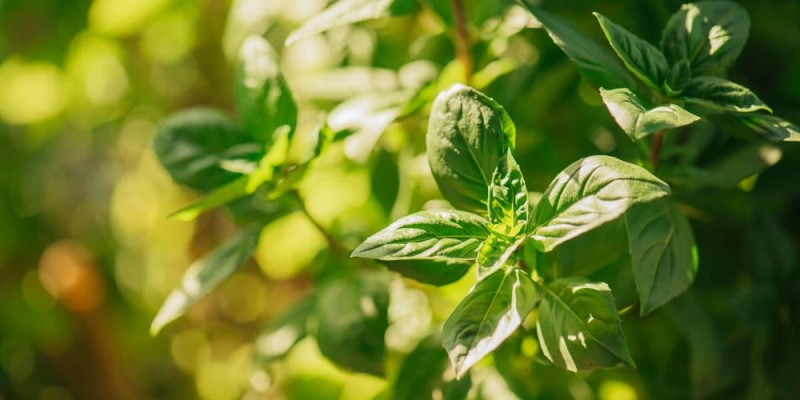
{"points": [[470, 138], [700, 42]]}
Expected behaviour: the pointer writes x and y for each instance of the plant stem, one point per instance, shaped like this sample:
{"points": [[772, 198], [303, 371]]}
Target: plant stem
{"points": [[655, 150], [336, 248], [462, 38]]}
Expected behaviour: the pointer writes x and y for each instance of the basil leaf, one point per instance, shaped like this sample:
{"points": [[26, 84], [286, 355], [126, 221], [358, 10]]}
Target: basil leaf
{"points": [[194, 145], [722, 95], [491, 312], [589, 193], [496, 252], [595, 63], [678, 78], [353, 317], [468, 134], [508, 198], [710, 34], [643, 59], [638, 120], [263, 99], [206, 274], [278, 337], [579, 328], [432, 272], [424, 371], [757, 125], [427, 235], [346, 12], [663, 252]]}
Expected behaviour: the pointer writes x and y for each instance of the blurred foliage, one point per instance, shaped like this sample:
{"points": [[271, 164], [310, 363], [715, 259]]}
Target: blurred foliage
{"points": [[87, 253]]}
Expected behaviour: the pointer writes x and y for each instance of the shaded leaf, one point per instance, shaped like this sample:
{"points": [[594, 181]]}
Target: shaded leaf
{"points": [[346, 12], [353, 318], [427, 235], [263, 99], [578, 326], [722, 95], [193, 146], [508, 198], [757, 126], [731, 168], [491, 311], [663, 252], [468, 134], [424, 371], [279, 336], [643, 59], [710, 34], [432, 272], [206, 274], [594, 62], [638, 120], [678, 78], [589, 193]]}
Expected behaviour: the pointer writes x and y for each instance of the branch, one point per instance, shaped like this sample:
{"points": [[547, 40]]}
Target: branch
{"points": [[462, 38]]}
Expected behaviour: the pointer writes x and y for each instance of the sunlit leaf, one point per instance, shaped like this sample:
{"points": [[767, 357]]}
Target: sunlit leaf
{"points": [[206, 274], [723, 95], [353, 318], [438, 235], [643, 59], [638, 120], [710, 34], [579, 328], [498, 251], [346, 12], [263, 99], [490, 312], [589, 193], [279, 336], [468, 134], [596, 64], [508, 198], [663, 252], [193, 145]]}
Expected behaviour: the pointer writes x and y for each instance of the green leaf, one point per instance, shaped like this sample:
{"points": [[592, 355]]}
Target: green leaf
{"points": [[468, 134], [508, 198], [731, 168], [206, 274], [678, 78], [722, 95], [432, 272], [346, 12], [353, 318], [757, 126], [710, 34], [579, 328], [595, 63], [424, 372], [263, 99], [663, 252], [277, 338], [496, 252], [589, 193], [194, 145], [491, 311], [638, 120], [643, 59], [427, 235]]}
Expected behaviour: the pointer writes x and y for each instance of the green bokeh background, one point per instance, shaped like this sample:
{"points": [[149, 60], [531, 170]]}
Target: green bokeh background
{"points": [[87, 254]]}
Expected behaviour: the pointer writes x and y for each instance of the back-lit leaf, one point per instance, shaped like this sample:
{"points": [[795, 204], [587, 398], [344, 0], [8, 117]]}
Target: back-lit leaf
{"points": [[206, 274], [489, 314], [643, 59], [346, 12], [508, 198], [468, 134], [579, 328], [263, 99]]}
